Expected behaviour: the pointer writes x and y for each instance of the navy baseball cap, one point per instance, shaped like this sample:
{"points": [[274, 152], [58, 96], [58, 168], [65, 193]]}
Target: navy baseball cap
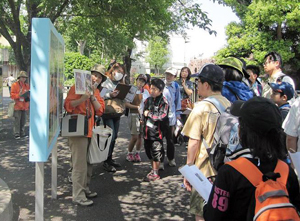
{"points": [[283, 87], [259, 113], [211, 72]]}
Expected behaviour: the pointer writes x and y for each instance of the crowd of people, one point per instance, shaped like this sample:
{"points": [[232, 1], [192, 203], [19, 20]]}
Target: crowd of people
{"points": [[268, 127]]}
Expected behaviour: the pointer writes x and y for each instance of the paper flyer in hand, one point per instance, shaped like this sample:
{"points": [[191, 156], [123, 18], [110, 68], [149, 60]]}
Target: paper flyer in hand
{"points": [[295, 157], [83, 81], [197, 180]]}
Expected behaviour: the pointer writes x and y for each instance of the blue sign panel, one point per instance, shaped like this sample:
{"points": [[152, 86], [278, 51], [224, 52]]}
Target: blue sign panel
{"points": [[46, 88]]}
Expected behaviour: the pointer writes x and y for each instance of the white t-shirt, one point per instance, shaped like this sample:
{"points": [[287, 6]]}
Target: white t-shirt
{"points": [[291, 124], [10, 80]]}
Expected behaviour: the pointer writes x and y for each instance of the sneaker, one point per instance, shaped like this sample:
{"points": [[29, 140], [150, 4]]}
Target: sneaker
{"points": [[130, 157], [70, 179], [172, 163], [24, 136], [152, 177], [161, 166], [84, 202], [146, 177], [108, 167], [137, 157], [90, 194], [17, 137], [114, 163]]}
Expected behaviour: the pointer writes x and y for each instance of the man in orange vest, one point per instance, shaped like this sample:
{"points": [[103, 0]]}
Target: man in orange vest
{"points": [[19, 93]]}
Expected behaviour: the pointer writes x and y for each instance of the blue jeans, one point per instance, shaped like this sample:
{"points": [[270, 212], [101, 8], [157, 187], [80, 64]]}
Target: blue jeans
{"points": [[114, 124]]}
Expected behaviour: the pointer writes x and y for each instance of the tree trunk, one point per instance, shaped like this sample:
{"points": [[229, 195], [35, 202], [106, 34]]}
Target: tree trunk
{"points": [[81, 45], [127, 64], [279, 31]]}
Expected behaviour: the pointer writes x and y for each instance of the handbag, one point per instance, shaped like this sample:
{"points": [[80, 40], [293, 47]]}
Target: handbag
{"points": [[75, 125], [99, 146], [11, 109], [114, 108]]}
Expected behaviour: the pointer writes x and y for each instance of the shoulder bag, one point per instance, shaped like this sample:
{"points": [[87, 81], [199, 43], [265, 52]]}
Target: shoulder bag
{"points": [[99, 145], [76, 125], [11, 109]]}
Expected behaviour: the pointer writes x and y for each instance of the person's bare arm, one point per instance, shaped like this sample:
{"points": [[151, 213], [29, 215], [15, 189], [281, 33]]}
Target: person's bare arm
{"points": [[291, 143], [193, 147], [83, 98]]}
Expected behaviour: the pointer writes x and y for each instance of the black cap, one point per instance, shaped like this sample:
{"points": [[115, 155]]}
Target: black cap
{"points": [[211, 72], [260, 114], [158, 83]]}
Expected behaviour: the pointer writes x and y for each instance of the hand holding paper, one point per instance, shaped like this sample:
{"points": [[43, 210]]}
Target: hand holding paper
{"points": [[196, 178]]}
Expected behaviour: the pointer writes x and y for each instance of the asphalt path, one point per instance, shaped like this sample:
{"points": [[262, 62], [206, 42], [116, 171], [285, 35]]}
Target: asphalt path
{"points": [[121, 196]]}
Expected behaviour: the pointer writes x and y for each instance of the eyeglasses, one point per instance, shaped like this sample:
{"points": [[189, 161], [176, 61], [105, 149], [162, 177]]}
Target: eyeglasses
{"points": [[267, 62]]}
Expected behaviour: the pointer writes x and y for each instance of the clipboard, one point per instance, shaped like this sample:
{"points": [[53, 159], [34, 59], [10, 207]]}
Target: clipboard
{"points": [[123, 90], [26, 94]]}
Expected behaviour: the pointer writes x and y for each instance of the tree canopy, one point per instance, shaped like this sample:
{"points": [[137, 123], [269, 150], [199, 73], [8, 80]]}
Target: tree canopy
{"points": [[264, 26], [15, 23], [105, 28], [157, 52]]}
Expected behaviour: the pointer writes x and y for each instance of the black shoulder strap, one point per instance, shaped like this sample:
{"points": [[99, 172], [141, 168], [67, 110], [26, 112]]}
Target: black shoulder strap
{"points": [[279, 79]]}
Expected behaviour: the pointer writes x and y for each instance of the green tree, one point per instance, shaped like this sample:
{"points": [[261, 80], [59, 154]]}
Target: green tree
{"points": [[113, 25], [265, 26], [74, 60], [157, 53], [15, 23], [106, 26]]}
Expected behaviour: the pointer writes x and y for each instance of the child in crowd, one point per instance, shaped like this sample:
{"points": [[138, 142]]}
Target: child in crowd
{"points": [[155, 119], [281, 94], [256, 86], [135, 113]]}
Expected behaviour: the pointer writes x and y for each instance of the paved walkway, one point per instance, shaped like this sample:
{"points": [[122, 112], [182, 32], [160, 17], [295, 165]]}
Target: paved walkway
{"points": [[121, 196]]}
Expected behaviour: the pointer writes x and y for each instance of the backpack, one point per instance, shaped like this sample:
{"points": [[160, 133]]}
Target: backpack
{"points": [[271, 196], [226, 145]]}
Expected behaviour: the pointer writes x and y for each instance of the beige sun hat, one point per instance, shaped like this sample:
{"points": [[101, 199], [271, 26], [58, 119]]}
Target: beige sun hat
{"points": [[22, 74], [100, 69]]}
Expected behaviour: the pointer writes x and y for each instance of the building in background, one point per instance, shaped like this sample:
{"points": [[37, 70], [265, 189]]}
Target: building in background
{"points": [[7, 67], [177, 56]]}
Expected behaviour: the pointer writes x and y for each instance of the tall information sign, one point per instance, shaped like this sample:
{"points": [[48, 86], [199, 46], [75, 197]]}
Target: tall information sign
{"points": [[46, 103]]}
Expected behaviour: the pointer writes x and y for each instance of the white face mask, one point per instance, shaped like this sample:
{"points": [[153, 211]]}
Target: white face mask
{"points": [[118, 76], [169, 82]]}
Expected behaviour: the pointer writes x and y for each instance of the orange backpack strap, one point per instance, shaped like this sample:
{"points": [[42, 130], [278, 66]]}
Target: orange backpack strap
{"points": [[243, 166], [283, 169], [247, 169]]}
